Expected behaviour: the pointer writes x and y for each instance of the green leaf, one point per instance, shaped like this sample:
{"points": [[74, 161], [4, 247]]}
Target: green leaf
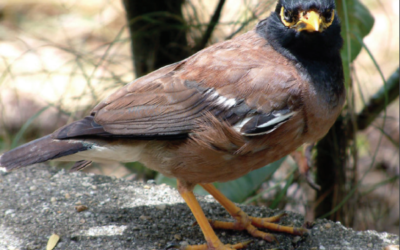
{"points": [[237, 190], [135, 167], [240, 189], [140, 170], [356, 21]]}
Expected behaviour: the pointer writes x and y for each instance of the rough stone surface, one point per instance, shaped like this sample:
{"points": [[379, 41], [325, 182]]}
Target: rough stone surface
{"points": [[98, 212]]}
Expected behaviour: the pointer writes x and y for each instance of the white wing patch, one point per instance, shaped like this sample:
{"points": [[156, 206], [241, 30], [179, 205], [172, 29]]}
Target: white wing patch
{"points": [[238, 126], [226, 102], [263, 133], [279, 118], [246, 120], [254, 125], [246, 124], [221, 100]]}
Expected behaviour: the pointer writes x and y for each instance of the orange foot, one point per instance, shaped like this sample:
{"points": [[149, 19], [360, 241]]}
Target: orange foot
{"points": [[213, 243], [248, 223], [251, 225], [243, 221]]}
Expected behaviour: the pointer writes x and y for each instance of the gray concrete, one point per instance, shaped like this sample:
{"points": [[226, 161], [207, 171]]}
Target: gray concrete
{"points": [[38, 201]]}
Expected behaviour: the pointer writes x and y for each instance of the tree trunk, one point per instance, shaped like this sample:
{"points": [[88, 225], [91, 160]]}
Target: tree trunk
{"points": [[158, 33], [331, 161]]}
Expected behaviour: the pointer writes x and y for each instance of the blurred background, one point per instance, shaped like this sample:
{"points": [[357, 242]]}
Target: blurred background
{"points": [[58, 58]]}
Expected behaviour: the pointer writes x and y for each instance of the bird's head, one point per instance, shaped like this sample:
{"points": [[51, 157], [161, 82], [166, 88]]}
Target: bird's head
{"points": [[303, 28], [306, 15]]}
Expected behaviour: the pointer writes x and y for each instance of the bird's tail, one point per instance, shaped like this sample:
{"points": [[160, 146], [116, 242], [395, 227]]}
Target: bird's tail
{"points": [[40, 150]]}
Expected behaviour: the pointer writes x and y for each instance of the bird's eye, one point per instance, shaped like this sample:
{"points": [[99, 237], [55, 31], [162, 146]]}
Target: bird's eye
{"points": [[287, 15], [328, 15]]}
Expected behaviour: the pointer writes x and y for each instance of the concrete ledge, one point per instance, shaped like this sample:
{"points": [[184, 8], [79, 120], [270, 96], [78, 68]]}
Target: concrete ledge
{"points": [[38, 201]]}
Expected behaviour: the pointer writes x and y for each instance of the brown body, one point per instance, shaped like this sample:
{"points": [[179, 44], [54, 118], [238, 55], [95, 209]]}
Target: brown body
{"points": [[175, 101], [245, 68]]}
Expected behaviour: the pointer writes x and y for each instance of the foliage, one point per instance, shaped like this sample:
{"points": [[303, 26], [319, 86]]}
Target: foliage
{"points": [[357, 21]]}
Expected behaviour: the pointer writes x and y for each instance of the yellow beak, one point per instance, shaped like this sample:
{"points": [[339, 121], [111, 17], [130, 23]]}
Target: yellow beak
{"points": [[310, 22]]}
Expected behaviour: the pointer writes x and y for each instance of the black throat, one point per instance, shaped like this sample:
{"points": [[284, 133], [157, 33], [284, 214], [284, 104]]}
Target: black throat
{"points": [[316, 55]]}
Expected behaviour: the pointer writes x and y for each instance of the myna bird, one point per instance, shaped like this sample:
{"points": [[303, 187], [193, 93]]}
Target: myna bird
{"points": [[231, 108]]}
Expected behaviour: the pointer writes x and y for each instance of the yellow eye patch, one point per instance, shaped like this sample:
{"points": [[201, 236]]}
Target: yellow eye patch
{"points": [[287, 19], [327, 23]]}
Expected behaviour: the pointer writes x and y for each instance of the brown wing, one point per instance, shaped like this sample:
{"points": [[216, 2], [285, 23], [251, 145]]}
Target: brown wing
{"points": [[231, 80], [166, 106]]}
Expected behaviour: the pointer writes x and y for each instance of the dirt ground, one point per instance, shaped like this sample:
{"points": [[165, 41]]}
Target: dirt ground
{"points": [[40, 201]]}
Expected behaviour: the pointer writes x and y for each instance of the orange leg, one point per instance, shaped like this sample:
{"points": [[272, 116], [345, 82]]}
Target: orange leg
{"points": [[213, 243], [245, 222]]}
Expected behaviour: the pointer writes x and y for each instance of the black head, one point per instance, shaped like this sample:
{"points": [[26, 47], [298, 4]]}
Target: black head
{"points": [[303, 28]]}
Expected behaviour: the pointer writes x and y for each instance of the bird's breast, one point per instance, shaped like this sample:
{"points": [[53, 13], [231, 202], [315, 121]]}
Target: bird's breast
{"points": [[322, 107]]}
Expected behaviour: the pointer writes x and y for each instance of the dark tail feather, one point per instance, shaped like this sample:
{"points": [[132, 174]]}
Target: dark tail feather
{"points": [[40, 150]]}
